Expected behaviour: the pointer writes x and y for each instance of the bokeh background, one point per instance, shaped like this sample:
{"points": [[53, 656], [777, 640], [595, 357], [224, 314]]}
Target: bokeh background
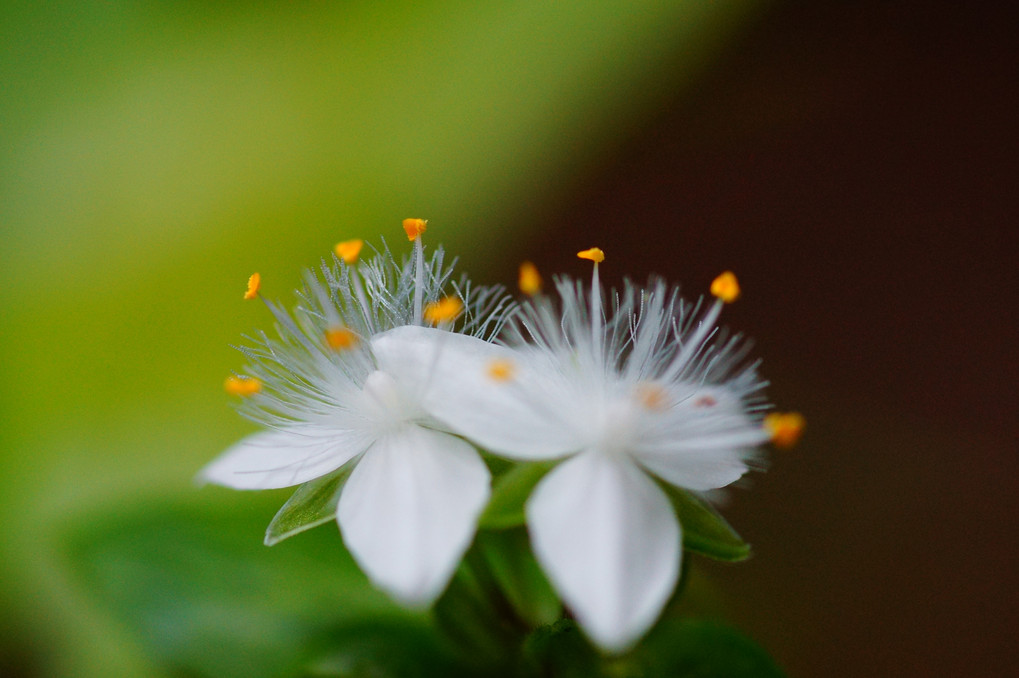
{"points": [[854, 163]]}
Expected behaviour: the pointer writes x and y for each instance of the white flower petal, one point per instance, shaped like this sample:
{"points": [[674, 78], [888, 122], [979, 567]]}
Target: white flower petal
{"points": [[610, 543], [504, 400], [703, 442], [275, 459], [702, 470], [701, 451], [410, 509]]}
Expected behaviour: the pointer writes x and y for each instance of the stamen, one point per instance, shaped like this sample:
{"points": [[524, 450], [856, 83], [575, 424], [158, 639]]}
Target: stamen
{"points": [[785, 428], [443, 311], [726, 287], [530, 279], [242, 386], [362, 299], [501, 370], [419, 275], [652, 396], [414, 228], [348, 250], [341, 338], [694, 343], [597, 256], [254, 282]]}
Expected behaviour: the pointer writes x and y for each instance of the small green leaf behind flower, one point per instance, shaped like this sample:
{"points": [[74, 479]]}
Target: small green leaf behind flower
{"points": [[704, 530], [313, 504]]}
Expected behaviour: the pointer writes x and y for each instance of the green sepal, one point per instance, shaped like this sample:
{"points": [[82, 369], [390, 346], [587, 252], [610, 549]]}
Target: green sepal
{"points": [[509, 493], [704, 530], [469, 617], [313, 504], [561, 650], [508, 556]]}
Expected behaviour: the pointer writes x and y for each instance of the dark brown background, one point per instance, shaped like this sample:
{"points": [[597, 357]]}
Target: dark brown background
{"points": [[854, 163]]}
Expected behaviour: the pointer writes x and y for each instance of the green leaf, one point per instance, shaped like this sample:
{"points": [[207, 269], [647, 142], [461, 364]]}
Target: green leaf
{"points": [[508, 556], [506, 507], [386, 650], [313, 504], [687, 648], [704, 530], [697, 648], [206, 598]]}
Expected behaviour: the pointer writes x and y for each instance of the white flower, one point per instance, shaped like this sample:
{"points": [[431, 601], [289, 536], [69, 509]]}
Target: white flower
{"points": [[409, 508], [649, 392]]}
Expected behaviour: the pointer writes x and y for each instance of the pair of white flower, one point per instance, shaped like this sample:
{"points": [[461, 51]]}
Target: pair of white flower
{"points": [[634, 397]]}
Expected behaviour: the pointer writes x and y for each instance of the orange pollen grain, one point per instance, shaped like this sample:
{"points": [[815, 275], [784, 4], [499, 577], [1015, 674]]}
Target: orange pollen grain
{"points": [[340, 338], [594, 254], [443, 311], [726, 287], [348, 250], [254, 282], [501, 370], [530, 279], [414, 228], [242, 386], [785, 428]]}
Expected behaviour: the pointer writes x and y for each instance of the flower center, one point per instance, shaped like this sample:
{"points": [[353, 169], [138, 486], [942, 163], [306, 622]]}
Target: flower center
{"points": [[384, 404], [624, 416], [619, 426]]}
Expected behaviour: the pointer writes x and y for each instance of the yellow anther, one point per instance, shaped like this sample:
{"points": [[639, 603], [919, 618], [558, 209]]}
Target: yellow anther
{"points": [[348, 250], [501, 369], [242, 386], [530, 279], [340, 338], [414, 228], [726, 287], [443, 311], [785, 428], [652, 396], [594, 254], [254, 282]]}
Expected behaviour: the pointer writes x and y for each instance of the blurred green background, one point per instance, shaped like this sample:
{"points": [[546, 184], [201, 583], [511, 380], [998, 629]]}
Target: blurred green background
{"points": [[853, 162]]}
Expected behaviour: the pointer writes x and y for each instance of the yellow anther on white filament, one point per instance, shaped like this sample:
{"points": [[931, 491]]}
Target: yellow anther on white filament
{"points": [[443, 311], [530, 279], [785, 428], [652, 396], [242, 386], [348, 250], [414, 228], [340, 338], [501, 369], [594, 254], [726, 287], [254, 282]]}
